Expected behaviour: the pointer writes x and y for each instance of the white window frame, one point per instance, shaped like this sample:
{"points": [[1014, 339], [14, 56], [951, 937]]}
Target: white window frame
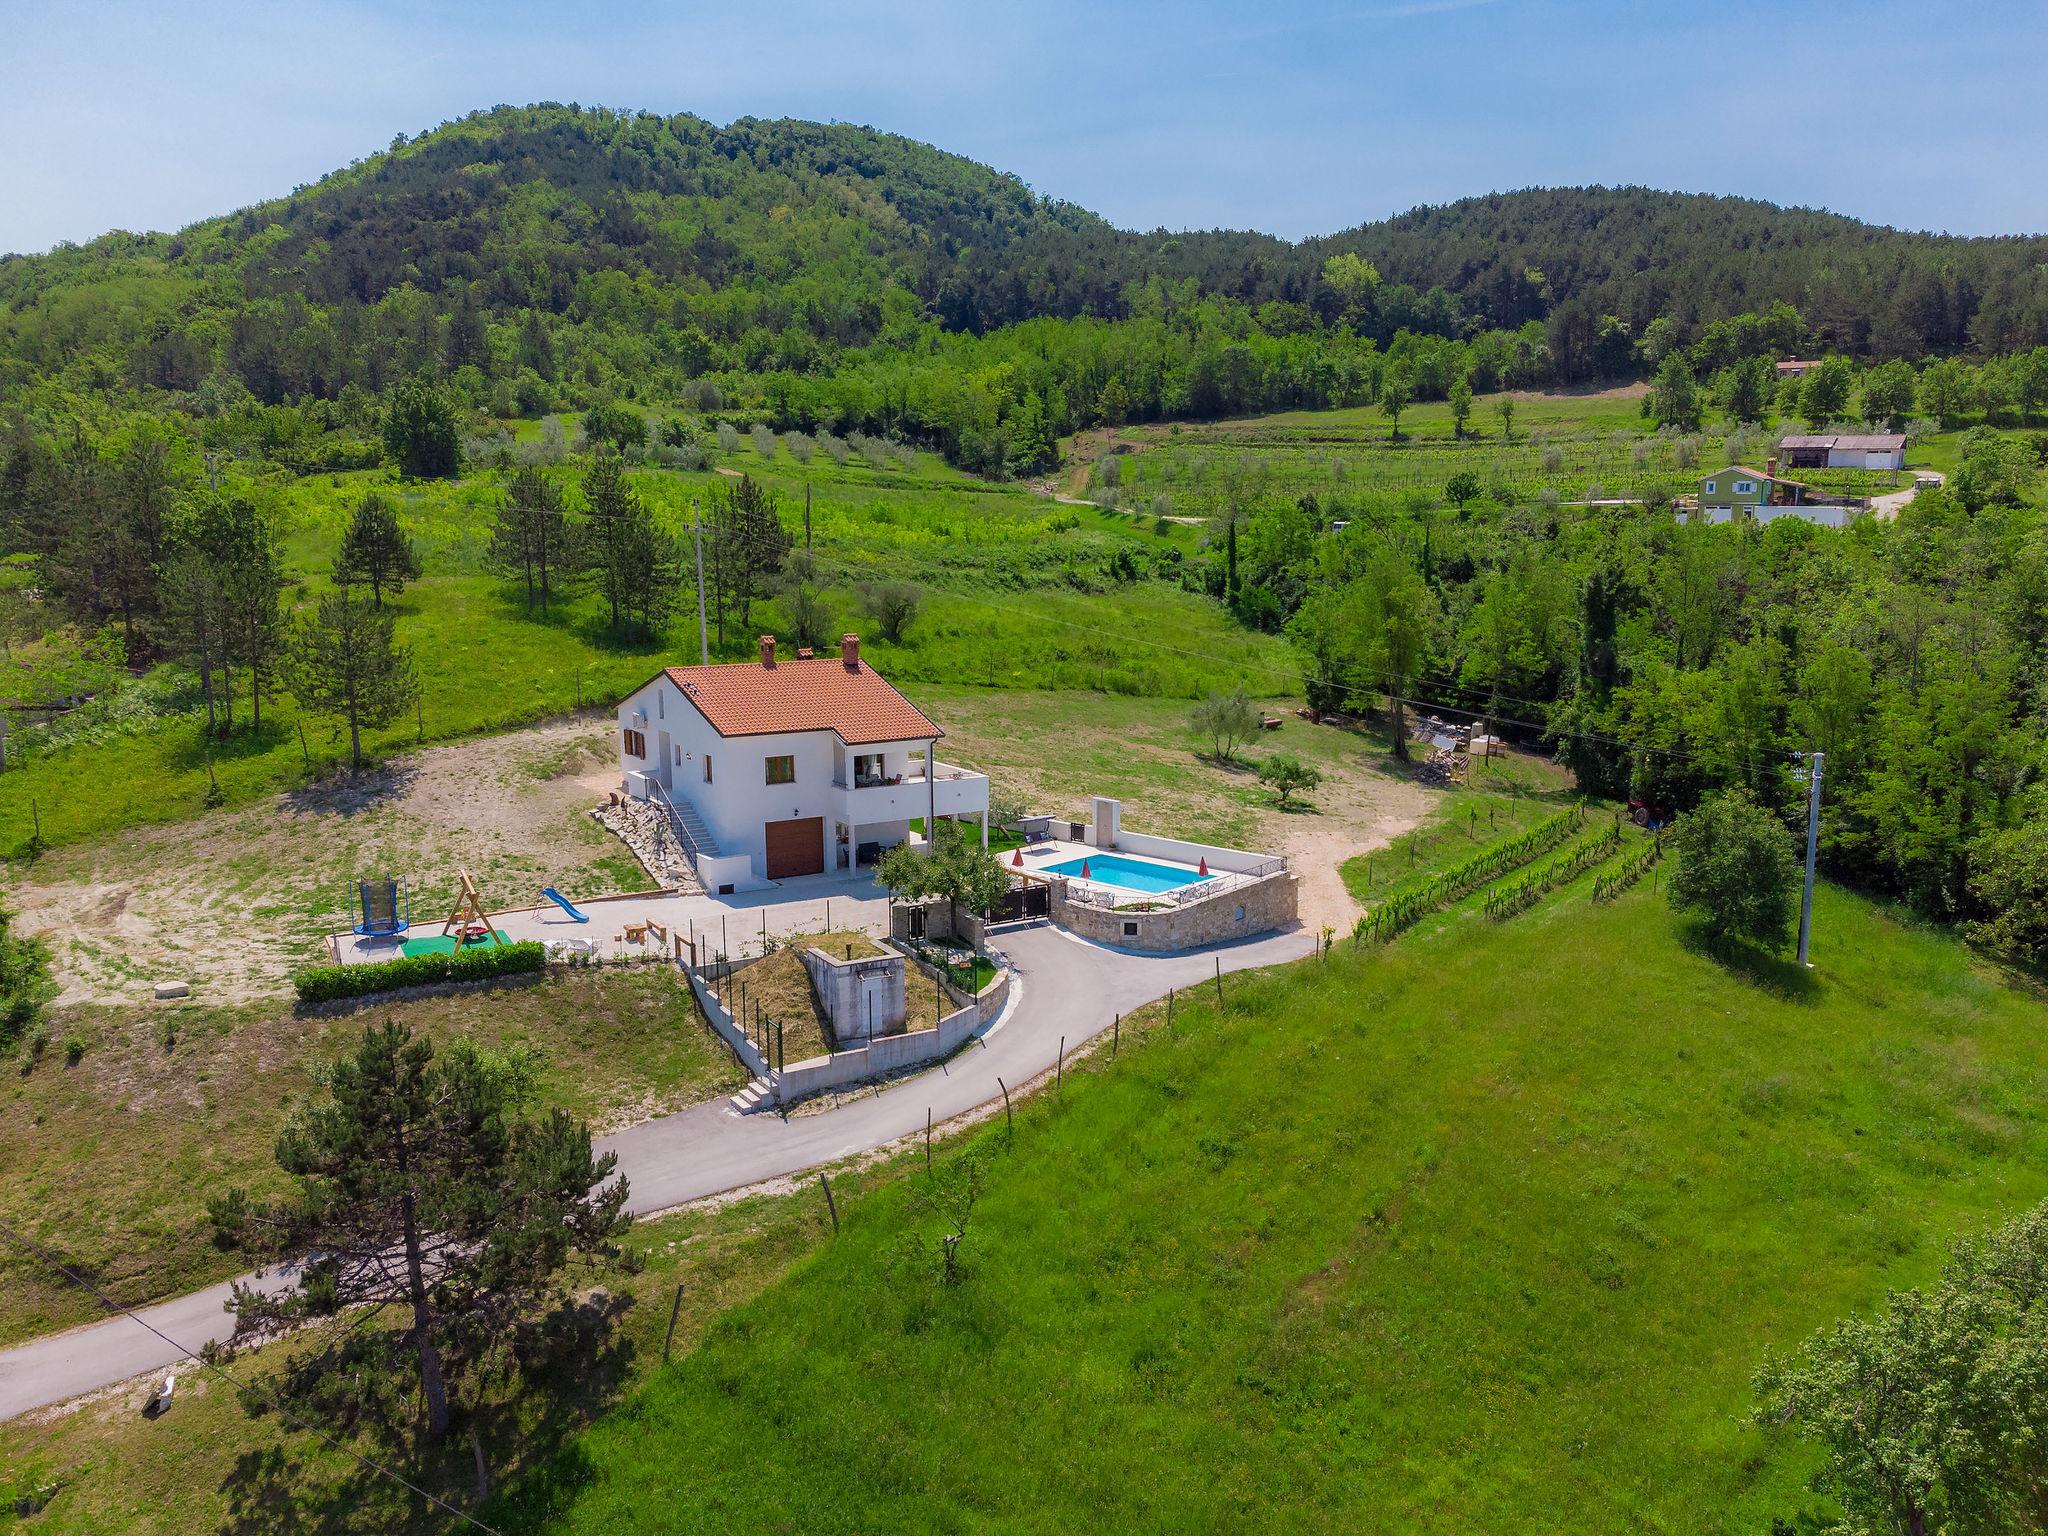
{"points": [[1710, 488]]}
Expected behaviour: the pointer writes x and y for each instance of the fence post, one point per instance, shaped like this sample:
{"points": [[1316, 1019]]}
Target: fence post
{"points": [[1219, 981], [1169, 1010], [673, 1313], [830, 1204], [1059, 1078], [927, 1139], [1116, 1031], [1009, 1120]]}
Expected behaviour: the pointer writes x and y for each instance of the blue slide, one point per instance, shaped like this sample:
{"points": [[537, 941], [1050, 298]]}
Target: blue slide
{"points": [[563, 902]]}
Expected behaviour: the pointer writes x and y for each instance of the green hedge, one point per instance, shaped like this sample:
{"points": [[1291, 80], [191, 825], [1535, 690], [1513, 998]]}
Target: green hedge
{"points": [[325, 983]]}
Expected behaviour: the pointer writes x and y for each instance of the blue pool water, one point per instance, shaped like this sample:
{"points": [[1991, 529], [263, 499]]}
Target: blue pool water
{"points": [[1128, 874]]}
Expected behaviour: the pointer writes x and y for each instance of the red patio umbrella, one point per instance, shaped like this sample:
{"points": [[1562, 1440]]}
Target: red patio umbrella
{"points": [[1084, 869], [1204, 869], [1017, 859]]}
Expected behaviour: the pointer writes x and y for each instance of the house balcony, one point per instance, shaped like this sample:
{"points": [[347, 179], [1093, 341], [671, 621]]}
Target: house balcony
{"points": [[871, 801]]}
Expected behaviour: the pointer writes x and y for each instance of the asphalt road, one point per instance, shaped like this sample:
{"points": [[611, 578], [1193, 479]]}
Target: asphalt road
{"points": [[1064, 987]]}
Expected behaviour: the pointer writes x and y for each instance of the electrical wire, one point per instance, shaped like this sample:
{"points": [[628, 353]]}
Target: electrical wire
{"points": [[37, 1251]]}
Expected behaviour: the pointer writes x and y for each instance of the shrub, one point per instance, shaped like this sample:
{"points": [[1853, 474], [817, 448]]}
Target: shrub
{"points": [[1737, 869], [326, 983]]}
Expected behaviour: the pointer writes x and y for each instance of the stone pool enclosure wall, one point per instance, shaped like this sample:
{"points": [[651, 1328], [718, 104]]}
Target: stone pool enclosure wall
{"points": [[1245, 906]]}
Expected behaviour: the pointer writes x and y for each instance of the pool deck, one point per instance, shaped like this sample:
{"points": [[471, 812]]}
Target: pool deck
{"points": [[1041, 856], [852, 901]]}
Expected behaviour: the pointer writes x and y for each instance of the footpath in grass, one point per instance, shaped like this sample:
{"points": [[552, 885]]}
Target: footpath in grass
{"points": [[1456, 1234]]}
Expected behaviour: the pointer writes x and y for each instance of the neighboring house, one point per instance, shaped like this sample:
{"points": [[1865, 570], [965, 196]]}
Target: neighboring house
{"points": [[780, 768], [1797, 367], [1738, 491], [1845, 450]]}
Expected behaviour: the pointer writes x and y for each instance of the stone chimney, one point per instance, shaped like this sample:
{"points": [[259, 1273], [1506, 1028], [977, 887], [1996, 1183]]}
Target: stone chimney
{"points": [[849, 652], [767, 650], [1771, 467]]}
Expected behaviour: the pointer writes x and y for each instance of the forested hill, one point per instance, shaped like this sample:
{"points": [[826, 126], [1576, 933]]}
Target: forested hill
{"points": [[545, 257], [1639, 253]]}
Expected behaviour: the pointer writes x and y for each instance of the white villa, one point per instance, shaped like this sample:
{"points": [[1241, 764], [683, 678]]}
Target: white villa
{"points": [[781, 768]]}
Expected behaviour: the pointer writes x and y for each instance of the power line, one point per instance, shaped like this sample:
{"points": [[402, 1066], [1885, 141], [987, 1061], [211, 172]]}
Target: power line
{"points": [[36, 1250]]}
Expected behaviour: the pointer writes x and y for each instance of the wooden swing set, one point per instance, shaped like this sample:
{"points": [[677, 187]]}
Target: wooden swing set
{"points": [[469, 922]]}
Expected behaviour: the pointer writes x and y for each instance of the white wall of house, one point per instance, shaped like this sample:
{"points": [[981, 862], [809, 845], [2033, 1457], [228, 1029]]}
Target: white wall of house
{"points": [[726, 779]]}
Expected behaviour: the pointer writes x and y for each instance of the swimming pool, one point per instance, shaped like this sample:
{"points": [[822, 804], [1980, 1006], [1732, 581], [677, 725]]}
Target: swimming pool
{"points": [[1128, 874]]}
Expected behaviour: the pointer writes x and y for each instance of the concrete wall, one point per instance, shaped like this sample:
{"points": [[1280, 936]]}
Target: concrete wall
{"points": [[860, 997], [892, 1053], [1257, 907], [1221, 860], [721, 1021]]}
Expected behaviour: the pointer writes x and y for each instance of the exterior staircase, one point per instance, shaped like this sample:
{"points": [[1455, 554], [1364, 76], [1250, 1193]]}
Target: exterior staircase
{"points": [[689, 827]]}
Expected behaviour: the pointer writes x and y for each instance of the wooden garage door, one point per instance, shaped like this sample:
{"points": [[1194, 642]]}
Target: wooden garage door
{"points": [[796, 847]]}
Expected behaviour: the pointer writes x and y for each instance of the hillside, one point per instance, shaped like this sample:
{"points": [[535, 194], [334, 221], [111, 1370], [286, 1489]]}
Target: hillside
{"points": [[1639, 253], [559, 251], [1391, 1233]]}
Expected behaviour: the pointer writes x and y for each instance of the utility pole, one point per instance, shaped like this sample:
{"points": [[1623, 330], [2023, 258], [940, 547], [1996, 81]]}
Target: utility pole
{"points": [[1812, 776], [703, 634]]}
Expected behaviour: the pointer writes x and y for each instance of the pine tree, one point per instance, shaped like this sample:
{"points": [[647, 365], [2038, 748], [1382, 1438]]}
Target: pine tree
{"points": [[634, 563], [749, 545], [419, 1186], [347, 667], [375, 551], [531, 537]]}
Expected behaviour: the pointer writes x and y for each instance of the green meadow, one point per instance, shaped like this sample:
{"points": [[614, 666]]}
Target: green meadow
{"points": [[1487, 1230]]}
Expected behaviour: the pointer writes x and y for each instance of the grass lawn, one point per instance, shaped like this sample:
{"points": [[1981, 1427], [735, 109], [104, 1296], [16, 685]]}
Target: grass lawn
{"points": [[110, 1161], [1486, 1230], [1021, 592]]}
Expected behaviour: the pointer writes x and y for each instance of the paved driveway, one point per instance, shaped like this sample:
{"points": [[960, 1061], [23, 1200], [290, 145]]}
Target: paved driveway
{"points": [[1064, 987]]}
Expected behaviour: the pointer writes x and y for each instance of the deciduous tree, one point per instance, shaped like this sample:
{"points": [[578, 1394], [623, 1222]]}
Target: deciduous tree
{"points": [[1737, 870]]}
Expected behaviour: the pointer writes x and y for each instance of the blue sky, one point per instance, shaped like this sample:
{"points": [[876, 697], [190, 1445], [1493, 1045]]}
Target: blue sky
{"points": [[1296, 119]]}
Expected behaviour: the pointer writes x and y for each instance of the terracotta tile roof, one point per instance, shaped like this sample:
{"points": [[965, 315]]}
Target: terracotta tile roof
{"points": [[744, 698]]}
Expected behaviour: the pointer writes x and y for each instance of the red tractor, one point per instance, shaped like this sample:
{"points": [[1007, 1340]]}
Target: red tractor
{"points": [[1644, 814]]}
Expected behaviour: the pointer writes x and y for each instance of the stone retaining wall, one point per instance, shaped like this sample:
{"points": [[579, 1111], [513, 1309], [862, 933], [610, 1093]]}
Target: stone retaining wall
{"points": [[642, 827], [1238, 913]]}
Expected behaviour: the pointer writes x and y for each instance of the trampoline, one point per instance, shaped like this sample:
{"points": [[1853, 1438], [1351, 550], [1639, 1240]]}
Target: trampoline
{"points": [[380, 908]]}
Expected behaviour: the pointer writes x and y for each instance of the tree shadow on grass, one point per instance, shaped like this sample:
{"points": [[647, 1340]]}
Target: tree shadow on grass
{"points": [[1782, 976], [350, 794], [526, 1427]]}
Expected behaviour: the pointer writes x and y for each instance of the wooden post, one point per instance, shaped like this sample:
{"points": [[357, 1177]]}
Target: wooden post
{"points": [[1009, 1120], [1219, 981], [303, 750], [1059, 1076], [927, 1139], [830, 1204], [1169, 1009], [674, 1312], [1116, 1033]]}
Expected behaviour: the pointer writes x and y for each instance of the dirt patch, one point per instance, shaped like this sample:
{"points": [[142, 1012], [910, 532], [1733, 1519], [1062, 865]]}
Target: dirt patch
{"points": [[231, 902]]}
